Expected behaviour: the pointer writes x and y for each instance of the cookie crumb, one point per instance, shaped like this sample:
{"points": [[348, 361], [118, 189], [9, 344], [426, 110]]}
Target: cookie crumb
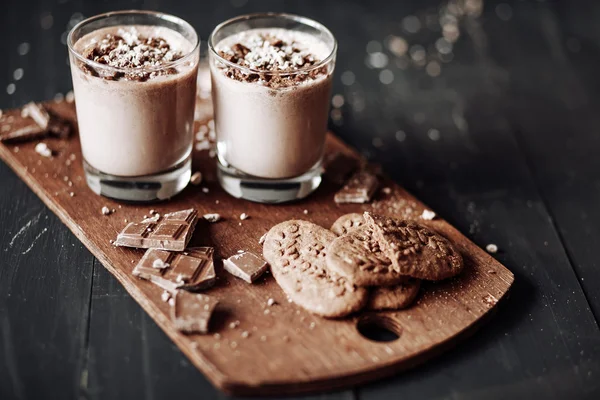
{"points": [[43, 150], [212, 217], [205, 190], [490, 300], [263, 338], [172, 302], [305, 212], [386, 190], [105, 210], [271, 302], [262, 238], [244, 216], [491, 248], [234, 324], [267, 311], [312, 325], [196, 178], [233, 345], [72, 194], [428, 215], [245, 334], [165, 296], [217, 336]]}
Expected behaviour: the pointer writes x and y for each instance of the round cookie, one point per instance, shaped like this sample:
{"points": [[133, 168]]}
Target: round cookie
{"points": [[358, 257], [394, 297], [296, 251], [415, 250], [346, 223]]}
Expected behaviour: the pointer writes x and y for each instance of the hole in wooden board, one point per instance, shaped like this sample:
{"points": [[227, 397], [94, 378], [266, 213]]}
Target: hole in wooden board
{"points": [[379, 328]]}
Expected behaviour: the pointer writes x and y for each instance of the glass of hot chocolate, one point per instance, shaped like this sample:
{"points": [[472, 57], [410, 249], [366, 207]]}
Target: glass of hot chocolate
{"points": [[271, 85], [134, 78]]}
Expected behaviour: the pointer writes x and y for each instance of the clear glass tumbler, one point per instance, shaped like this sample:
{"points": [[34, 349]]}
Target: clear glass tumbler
{"points": [[271, 124], [136, 117]]}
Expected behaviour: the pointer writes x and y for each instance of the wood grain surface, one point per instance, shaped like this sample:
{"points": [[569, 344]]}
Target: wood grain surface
{"points": [[297, 352]]}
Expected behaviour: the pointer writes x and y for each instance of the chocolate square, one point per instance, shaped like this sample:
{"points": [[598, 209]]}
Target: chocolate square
{"points": [[246, 266], [359, 189], [171, 232], [191, 270], [191, 312]]}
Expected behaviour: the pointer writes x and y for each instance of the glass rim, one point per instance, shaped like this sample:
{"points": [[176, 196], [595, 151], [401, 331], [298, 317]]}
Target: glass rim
{"points": [[294, 17], [163, 16]]}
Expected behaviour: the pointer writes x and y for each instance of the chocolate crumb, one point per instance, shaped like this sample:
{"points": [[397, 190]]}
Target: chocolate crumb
{"points": [[196, 178], [43, 150], [491, 248], [212, 217], [428, 215]]}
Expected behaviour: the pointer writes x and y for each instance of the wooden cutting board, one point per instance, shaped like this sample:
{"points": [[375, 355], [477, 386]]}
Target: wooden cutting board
{"points": [[288, 350]]}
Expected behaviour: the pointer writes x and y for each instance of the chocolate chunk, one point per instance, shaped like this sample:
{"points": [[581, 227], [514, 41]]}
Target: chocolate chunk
{"points": [[191, 270], [43, 123], [246, 266], [172, 232], [28, 132], [339, 166], [37, 113], [191, 312], [359, 189]]}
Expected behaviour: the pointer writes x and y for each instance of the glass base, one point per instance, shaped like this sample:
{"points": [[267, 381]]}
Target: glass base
{"points": [[262, 190], [145, 188]]}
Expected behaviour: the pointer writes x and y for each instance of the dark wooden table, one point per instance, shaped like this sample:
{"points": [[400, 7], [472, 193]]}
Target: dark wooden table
{"points": [[503, 143]]}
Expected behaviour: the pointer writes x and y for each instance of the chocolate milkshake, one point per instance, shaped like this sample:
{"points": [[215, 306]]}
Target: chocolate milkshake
{"points": [[271, 89], [135, 88], [271, 125]]}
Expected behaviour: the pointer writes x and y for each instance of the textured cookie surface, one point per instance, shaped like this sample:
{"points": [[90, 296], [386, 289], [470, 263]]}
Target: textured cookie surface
{"points": [[394, 297], [415, 250], [346, 223], [358, 257], [296, 251]]}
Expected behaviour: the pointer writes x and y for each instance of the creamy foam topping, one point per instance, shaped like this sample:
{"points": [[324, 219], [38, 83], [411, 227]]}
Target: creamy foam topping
{"points": [[273, 50], [134, 48]]}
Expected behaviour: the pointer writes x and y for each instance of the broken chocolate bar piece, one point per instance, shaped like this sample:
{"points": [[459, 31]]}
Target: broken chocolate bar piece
{"points": [[37, 113], [246, 266], [172, 232], [191, 270], [339, 166], [359, 189], [191, 312], [40, 122], [24, 133]]}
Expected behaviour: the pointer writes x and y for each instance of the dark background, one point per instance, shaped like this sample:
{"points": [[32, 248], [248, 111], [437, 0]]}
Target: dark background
{"points": [[504, 144]]}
